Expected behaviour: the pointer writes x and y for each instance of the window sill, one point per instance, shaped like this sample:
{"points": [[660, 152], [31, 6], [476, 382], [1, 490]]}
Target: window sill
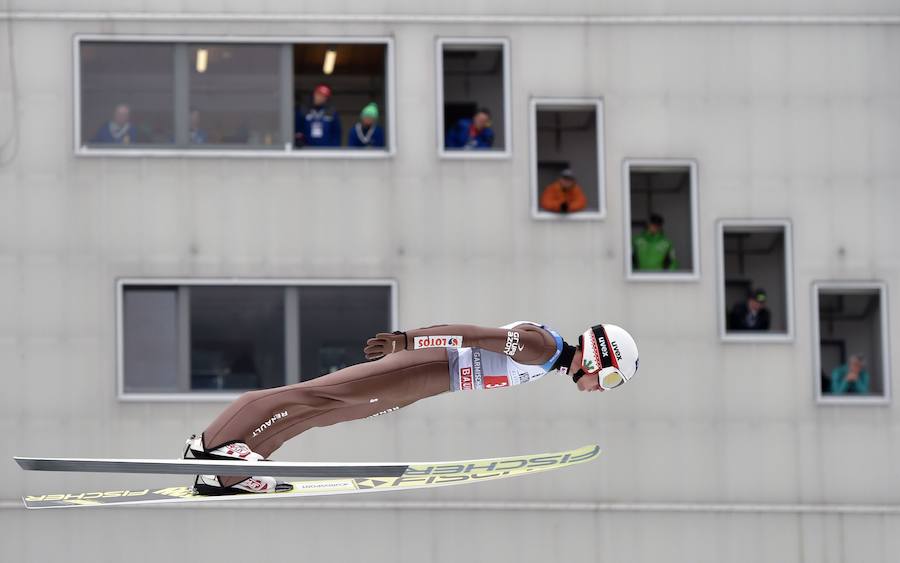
{"points": [[661, 277], [765, 338], [570, 217], [871, 400], [235, 153], [480, 154]]}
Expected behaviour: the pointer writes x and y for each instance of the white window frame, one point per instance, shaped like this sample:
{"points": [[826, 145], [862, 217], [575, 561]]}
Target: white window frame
{"points": [[200, 397], [288, 151], [691, 165], [566, 103], [849, 287], [746, 336], [503, 42]]}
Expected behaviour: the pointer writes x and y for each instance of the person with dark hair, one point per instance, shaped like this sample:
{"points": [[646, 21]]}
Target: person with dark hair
{"points": [[318, 125], [751, 314], [851, 378], [475, 133], [564, 195], [652, 250], [366, 133], [118, 130]]}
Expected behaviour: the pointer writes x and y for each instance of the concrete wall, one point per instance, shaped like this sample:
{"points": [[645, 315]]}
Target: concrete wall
{"points": [[785, 120]]}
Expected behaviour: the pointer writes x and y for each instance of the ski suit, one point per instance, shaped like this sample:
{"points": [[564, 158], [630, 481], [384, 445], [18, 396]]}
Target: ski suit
{"points": [[436, 360]]}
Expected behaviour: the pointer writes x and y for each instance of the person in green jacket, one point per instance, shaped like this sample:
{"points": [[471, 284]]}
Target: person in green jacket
{"points": [[652, 250], [850, 378]]}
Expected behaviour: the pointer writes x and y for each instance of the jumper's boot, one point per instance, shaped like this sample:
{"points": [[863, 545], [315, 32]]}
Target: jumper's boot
{"points": [[233, 451]]}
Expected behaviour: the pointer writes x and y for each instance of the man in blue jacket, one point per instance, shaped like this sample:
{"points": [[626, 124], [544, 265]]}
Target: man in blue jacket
{"points": [[366, 133], [475, 133], [318, 125]]}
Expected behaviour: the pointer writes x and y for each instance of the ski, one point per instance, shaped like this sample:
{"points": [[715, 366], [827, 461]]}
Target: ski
{"points": [[415, 476], [209, 467]]}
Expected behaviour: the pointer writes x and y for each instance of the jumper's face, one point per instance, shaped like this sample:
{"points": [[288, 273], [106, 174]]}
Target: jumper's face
{"points": [[590, 382]]}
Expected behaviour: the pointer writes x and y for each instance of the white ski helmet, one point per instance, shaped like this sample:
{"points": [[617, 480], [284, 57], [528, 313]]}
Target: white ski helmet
{"points": [[611, 352]]}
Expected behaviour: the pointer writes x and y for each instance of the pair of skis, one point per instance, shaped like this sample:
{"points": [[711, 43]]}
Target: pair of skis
{"points": [[311, 479]]}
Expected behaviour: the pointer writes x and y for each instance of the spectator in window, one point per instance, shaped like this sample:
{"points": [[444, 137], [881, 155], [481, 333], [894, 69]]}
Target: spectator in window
{"points": [[564, 195], [118, 131], [851, 378], [367, 133], [475, 133], [198, 135], [318, 125], [652, 250], [751, 314]]}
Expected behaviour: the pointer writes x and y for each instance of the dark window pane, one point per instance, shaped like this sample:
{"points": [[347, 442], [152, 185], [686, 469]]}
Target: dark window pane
{"points": [[234, 95], [237, 338], [335, 323], [473, 80], [754, 259], [850, 342], [127, 94], [150, 338], [567, 140], [336, 117], [661, 193]]}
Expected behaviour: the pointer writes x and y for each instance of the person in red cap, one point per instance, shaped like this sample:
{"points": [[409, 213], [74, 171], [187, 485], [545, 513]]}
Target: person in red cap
{"points": [[318, 125]]}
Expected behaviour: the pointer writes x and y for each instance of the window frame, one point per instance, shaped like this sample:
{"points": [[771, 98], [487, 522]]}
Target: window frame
{"points": [[288, 151], [443, 153], [693, 169], [743, 337], [533, 107], [882, 289], [286, 283]]}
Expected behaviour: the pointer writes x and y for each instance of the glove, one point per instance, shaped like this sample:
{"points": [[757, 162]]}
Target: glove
{"points": [[385, 343]]}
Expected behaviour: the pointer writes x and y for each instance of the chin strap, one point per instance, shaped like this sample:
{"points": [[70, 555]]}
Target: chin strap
{"points": [[565, 360]]}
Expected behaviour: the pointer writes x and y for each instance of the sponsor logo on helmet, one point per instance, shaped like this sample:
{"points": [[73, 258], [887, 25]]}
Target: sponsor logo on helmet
{"points": [[420, 342], [615, 348], [604, 350]]}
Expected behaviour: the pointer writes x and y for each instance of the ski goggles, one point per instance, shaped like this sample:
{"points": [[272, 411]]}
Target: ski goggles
{"points": [[597, 357]]}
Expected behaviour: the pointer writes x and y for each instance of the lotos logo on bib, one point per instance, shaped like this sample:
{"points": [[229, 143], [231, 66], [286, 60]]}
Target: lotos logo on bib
{"points": [[420, 342]]}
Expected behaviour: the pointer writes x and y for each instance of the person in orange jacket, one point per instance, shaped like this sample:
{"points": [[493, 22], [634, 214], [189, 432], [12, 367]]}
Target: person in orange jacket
{"points": [[564, 195]]}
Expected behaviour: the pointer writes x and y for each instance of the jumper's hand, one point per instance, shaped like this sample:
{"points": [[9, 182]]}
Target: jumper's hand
{"points": [[385, 343]]}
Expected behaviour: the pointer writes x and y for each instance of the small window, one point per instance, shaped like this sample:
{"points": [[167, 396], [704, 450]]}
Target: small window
{"points": [[234, 97], [567, 169], [756, 299], [126, 95], [340, 96], [852, 363], [208, 341], [473, 97], [660, 205]]}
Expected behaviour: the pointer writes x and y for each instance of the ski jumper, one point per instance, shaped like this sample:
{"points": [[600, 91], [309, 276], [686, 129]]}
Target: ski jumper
{"points": [[436, 360]]}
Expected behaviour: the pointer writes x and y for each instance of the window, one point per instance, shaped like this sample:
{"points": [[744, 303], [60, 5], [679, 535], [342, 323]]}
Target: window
{"points": [[208, 340], [218, 97], [473, 98], [567, 140], [755, 281], [852, 355], [354, 114], [660, 206], [234, 96], [126, 92]]}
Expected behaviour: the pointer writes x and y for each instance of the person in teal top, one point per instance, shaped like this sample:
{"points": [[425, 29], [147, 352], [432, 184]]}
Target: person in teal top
{"points": [[652, 250], [850, 378]]}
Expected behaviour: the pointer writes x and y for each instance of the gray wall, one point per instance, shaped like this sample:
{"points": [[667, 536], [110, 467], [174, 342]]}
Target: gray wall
{"points": [[785, 120]]}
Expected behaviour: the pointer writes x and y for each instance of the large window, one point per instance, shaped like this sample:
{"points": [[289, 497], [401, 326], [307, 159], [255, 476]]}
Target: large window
{"points": [[209, 96], [755, 280], [567, 168], [851, 343], [473, 98], [127, 94], [660, 206], [203, 339]]}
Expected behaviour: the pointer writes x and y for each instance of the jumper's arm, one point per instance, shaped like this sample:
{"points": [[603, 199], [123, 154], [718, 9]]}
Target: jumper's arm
{"points": [[525, 343]]}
